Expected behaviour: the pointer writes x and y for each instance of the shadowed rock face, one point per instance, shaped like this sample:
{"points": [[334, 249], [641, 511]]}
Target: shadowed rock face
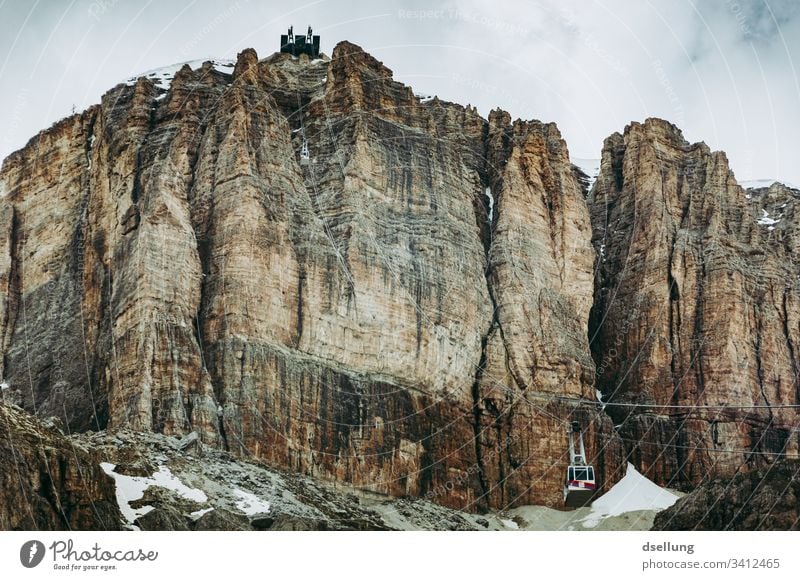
{"points": [[696, 303], [761, 499], [168, 265], [49, 483]]}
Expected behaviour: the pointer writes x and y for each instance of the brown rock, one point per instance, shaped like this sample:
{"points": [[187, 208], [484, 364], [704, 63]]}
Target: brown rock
{"points": [[49, 483], [762, 499], [695, 305], [357, 318]]}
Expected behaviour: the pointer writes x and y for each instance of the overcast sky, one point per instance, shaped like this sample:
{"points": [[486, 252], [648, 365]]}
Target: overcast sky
{"points": [[725, 71]]}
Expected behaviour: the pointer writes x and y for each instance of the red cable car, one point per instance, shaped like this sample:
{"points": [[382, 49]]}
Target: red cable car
{"points": [[579, 484]]}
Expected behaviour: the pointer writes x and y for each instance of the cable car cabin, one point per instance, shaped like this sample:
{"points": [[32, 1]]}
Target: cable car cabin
{"points": [[300, 44], [579, 486], [305, 157]]}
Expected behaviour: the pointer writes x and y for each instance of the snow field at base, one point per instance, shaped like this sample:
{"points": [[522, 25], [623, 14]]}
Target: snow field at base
{"points": [[632, 493], [631, 504]]}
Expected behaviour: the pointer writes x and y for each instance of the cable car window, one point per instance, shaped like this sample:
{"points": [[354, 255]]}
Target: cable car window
{"points": [[581, 474], [591, 473], [571, 473]]}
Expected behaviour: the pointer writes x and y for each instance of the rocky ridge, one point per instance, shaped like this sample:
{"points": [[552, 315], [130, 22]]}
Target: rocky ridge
{"points": [[763, 499]]}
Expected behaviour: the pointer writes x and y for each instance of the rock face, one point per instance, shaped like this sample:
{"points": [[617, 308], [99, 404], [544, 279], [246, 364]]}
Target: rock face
{"points": [[359, 317], [696, 316], [761, 499], [48, 482]]}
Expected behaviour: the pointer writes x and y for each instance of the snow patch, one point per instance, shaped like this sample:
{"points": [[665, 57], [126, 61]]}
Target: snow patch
{"points": [[200, 513], [490, 197], [250, 504], [765, 220], [131, 488], [510, 524], [164, 76], [3, 386], [599, 395], [634, 492], [590, 167]]}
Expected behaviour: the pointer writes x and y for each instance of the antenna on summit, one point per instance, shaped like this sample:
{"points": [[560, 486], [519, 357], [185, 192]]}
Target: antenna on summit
{"points": [[303, 44]]}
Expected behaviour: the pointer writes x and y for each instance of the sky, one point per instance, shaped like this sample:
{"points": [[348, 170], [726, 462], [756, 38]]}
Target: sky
{"points": [[724, 71]]}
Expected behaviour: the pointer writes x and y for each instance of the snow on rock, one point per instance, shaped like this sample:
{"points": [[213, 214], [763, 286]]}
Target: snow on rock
{"points": [[599, 395], [200, 513], [634, 492], [591, 167], [163, 76], [490, 198], [510, 524], [250, 504], [164, 478], [131, 488], [3, 386], [765, 220]]}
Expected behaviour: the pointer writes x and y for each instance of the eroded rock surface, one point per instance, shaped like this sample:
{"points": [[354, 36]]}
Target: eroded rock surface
{"points": [[761, 499], [357, 318], [696, 316], [48, 482]]}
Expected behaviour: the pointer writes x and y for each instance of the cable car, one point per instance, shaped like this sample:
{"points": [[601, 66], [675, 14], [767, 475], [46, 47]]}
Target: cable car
{"points": [[304, 154], [579, 484]]}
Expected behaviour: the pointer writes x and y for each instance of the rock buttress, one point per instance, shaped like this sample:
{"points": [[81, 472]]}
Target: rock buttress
{"points": [[696, 305]]}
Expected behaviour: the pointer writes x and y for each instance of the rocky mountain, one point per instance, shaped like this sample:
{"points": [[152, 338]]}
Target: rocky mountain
{"points": [[759, 499], [696, 318], [358, 318], [418, 309], [135, 480]]}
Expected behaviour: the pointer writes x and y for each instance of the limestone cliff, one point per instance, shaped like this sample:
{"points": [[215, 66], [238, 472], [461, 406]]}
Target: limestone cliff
{"points": [[696, 317], [169, 263]]}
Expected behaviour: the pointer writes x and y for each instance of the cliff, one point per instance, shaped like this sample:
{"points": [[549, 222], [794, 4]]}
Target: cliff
{"points": [[419, 309], [168, 264], [696, 317]]}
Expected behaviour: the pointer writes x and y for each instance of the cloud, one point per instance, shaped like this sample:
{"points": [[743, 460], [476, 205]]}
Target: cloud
{"points": [[724, 71]]}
